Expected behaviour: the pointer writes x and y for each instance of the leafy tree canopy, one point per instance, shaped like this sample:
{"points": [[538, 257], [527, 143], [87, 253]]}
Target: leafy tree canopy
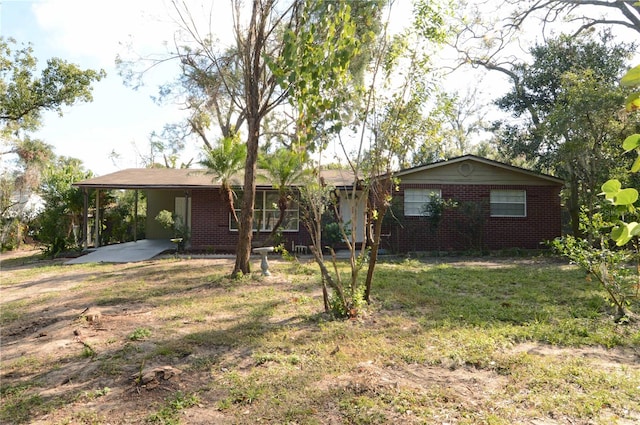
{"points": [[24, 94], [566, 105]]}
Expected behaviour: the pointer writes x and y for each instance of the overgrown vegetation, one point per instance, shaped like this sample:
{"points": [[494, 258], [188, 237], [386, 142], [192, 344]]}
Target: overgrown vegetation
{"points": [[617, 267], [499, 341]]}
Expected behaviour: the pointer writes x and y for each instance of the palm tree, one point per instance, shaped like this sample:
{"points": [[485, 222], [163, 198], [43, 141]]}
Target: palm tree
{"points": [[285, 167], [224, 161]]}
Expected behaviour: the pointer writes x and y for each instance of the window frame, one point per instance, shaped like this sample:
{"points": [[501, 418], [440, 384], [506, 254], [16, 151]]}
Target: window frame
{"points": [[424, 199], [263, 210], [523, 203]]}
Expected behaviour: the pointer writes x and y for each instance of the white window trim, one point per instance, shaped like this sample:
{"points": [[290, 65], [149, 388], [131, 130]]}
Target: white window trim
{"points": [[264, 211], [524, 203], [428, 192]]}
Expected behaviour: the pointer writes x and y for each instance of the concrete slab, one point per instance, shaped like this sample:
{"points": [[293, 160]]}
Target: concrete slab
{"points": [[128, 252]]}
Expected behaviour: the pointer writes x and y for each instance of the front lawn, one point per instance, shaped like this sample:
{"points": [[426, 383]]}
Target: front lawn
{"points": [[486, 341]]}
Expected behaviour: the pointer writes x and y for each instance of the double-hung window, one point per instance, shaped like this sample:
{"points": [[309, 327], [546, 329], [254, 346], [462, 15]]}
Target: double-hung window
{"points": [[416, 201], [266, 213], [508, 203]]}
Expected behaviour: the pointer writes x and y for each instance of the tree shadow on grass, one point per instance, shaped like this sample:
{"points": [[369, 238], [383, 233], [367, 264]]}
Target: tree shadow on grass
{"points": [[533, 303], [56, 380]]}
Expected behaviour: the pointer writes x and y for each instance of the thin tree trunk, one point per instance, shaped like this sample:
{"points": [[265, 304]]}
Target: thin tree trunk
{"points": [[227, 194], [573, 205], [282, 208], [373, 255], [327, 278], [381, 192], [251, 50], [245, 231]]}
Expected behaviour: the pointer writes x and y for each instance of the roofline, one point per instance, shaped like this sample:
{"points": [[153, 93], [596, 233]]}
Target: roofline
{"points": [[490, 162], [174, 187], [140, 186]]}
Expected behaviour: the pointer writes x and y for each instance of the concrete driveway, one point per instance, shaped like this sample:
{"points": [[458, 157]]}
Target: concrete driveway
{"points": [[128, 252]]}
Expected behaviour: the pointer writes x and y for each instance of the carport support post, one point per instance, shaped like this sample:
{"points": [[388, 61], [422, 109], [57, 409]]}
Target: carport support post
{"points": [[85, 217], [135, 218], [96, 218]]}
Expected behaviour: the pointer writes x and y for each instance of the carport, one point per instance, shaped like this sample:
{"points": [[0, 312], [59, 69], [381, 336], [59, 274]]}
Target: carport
{"points": [[179, 182]]}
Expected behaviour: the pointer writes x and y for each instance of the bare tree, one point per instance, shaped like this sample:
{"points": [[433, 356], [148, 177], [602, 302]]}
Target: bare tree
{"points": [[234, 87], [586, 14], [256, 42], [491, 35]]}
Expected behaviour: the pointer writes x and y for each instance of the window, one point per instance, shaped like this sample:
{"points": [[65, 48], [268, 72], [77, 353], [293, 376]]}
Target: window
{"points": [[415, 201], [182, 211], [508, 203], [266, 213]]}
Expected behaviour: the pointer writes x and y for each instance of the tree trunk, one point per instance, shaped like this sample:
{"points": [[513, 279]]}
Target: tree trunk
{"points": [[573, 205], [245, 231], [336, 286], [382, 191], [373, 256], [251, 43], [282, 208], [227, 194]]}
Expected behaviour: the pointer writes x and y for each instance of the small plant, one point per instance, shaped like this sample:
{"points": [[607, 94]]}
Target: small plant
{"points": [[18, 404], [434, 210], [331, 234], [176, 223], [88, 352], [168, 415], [286, 255], [609, 265], [140, 334], [92, 395], [242, 391]]}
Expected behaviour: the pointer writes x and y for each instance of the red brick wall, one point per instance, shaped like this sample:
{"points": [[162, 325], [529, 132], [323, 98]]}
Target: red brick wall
{"points": [[210, 224], [460, 231], [210, 221]]}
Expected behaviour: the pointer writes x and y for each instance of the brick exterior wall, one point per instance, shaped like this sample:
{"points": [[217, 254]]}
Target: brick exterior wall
{"points": [[210, 225], [467, 227], [470, 226]]}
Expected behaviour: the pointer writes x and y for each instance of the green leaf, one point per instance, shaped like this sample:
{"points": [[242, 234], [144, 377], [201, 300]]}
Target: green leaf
{"points": [[612, 190], [633, 102], [631, 78], [626, 197], [636, 165], [611, 186], [625, 232], [620, 234], [632, 142]]}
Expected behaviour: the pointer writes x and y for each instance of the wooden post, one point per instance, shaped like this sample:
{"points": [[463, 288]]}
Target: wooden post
{"points": [[135, 218], [96, 218], [85, 218]]}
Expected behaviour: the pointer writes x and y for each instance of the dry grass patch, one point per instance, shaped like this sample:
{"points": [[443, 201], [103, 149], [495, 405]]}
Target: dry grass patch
{"points": [[177, 341]]}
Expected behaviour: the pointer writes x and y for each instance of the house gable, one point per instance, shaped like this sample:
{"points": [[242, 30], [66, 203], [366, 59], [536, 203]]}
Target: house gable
{"points": [[470, 169], [474, 184]]}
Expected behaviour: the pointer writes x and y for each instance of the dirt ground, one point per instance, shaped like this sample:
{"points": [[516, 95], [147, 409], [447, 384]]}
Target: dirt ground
{"points": [[57, 332]]}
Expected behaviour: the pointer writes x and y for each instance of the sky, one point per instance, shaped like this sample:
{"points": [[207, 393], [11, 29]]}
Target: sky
{"points": [[90, 33]]}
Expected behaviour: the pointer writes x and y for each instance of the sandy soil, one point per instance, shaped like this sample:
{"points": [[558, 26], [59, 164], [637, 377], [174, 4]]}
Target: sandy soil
{"points": [[57, 332]]}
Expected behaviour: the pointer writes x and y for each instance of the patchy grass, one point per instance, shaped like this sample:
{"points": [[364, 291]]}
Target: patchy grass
{"points": [[499, 342]]}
